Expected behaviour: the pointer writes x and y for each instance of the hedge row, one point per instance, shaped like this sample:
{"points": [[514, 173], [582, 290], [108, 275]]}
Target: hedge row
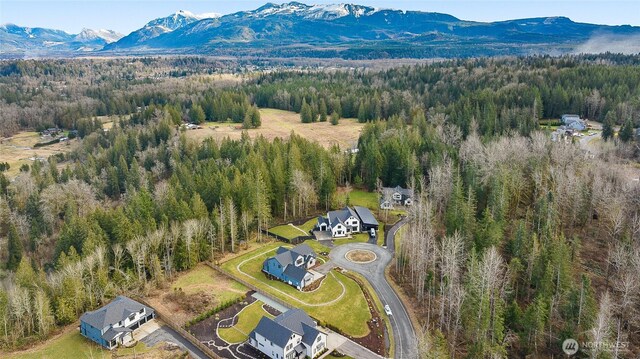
{"points": [[213, 311]]}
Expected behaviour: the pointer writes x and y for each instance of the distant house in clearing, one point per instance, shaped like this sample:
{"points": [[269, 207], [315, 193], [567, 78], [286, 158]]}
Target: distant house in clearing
{"points": [[114, 323], [291, 265], [574, 122], [395, 196], [291, 335]]}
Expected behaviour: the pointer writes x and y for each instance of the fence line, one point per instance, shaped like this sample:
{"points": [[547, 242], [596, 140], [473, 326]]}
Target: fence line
{"points": [[295, 240], [185, 334], [250, 286]]}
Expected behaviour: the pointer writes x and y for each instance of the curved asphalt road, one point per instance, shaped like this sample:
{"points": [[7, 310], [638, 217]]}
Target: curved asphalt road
{"points": [[403, 332]]}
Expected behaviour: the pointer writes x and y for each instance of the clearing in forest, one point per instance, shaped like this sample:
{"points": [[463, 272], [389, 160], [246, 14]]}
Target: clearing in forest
{"points": [[18, 150], [278, 123]]}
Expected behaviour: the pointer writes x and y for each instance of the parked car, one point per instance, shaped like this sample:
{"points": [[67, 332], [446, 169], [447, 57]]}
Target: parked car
{"points": [[387, 309], [373, 233]]}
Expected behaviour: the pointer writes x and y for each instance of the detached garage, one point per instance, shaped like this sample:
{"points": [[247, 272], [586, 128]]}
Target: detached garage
{"points": [[367, 220]]}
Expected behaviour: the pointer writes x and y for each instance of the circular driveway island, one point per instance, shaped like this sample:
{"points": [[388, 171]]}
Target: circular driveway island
{"points": [[374, 271], [362, 256]]}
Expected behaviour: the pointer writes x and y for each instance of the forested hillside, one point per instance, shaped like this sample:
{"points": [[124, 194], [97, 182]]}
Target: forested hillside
{"points": [[515, 243]]}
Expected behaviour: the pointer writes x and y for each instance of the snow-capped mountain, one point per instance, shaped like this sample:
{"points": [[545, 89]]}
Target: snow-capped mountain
{"points": [[178, 20], [14, 38], [327, 30], [163, 25], [318, 12], [101, 35]]}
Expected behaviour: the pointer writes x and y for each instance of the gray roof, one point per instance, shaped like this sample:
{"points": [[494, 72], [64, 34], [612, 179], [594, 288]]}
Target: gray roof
{"points": [[303, 249], [294, 272], [280, 329], [322, 220], [341, 215], [403, 191], [273, 331], [117, 310], [366, 216], [293, 319], [113, 332], [286, 256]]}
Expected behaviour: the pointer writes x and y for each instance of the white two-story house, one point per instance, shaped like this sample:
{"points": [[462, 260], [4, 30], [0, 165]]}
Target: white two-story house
{"points": [[291, 335], [340, 223]]}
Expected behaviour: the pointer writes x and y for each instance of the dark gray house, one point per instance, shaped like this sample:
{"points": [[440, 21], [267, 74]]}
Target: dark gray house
{"points": [[114, 323], [396, 195], [291, 335]]}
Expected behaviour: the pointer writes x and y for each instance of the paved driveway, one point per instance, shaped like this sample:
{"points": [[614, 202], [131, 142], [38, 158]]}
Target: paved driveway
{"points": [[166, 334], [403, 332]]}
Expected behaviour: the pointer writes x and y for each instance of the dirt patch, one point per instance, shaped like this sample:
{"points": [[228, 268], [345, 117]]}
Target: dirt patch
{"points": [[313, 286], [280, 124], [191, 303], [361, 256]]}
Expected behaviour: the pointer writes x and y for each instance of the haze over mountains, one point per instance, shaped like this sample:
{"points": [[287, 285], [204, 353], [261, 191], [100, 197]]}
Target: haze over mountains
{"points": [[340, 30]]}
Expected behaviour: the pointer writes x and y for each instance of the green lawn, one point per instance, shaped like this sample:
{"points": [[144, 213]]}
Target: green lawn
{"points": [[335, 357], [308, 225], [357, 238], [365, 199], [398, 238], [362, 238], [140, 348], [67, 345], [247, 321], [287, 231], [349, 313]]}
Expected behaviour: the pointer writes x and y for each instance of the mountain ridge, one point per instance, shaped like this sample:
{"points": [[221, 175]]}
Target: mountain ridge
{"points": [[339, 30]]}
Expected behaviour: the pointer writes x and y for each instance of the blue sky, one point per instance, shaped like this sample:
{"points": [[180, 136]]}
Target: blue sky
{"points": [[127, 15]]}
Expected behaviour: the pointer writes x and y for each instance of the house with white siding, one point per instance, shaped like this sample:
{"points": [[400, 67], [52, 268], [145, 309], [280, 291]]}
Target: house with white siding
{"points": [[291, 335]]}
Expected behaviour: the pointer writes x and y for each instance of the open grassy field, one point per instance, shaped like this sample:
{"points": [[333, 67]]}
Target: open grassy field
{"points": [[278, 123], [68, 344], [291, 231], [199, 289], [18, 149], [338, 301], [287, 231], [308, 225], [248, 319]]}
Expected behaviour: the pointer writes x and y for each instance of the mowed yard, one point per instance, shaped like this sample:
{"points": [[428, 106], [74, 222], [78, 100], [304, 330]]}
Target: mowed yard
{"points": [[18, 150], [278, 123], [291, 231], [70, 344], [338, 301], [247, 320]]}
